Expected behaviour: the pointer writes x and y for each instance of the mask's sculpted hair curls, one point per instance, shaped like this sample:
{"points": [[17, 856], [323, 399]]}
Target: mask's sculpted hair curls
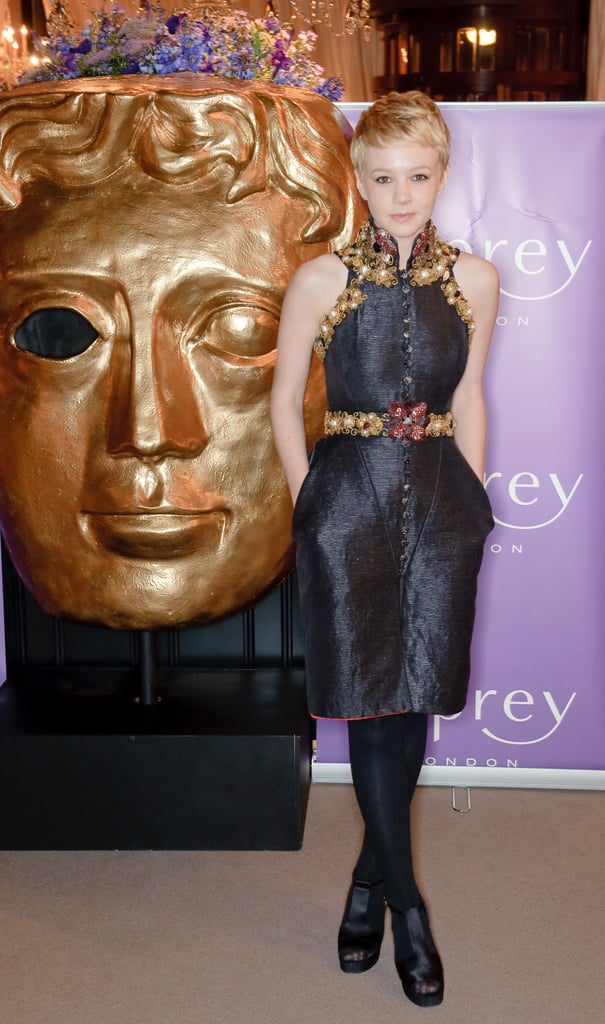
{"points": [[401, 117], [182, 135]]}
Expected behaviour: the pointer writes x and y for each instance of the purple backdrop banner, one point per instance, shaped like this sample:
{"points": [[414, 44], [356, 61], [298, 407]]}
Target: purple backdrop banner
{"points": [[525, 191]]}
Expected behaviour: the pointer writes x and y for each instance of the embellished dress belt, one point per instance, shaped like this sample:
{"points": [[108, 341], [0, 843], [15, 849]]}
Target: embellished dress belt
{"points": [[405, 421]]}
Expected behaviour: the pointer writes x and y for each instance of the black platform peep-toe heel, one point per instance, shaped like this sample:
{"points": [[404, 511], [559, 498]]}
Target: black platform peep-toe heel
{"points": [[416, 958], [362, 928]]}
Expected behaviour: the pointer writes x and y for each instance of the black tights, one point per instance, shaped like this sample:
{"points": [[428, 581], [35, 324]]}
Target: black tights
{"points": [[386, 757]]}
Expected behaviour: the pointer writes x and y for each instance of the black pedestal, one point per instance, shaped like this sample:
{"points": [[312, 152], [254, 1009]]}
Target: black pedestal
{"points": [[221, 763]]}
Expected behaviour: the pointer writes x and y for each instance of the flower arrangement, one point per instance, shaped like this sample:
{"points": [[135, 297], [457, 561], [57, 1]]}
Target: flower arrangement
{"points": [[230, 45]]}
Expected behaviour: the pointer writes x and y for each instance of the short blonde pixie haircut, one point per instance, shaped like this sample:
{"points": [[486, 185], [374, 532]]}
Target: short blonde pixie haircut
{"points": [[401, 117]]}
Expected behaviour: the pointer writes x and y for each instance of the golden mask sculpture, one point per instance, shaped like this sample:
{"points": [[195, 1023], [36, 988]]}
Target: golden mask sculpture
{"points": [[148, 230]]}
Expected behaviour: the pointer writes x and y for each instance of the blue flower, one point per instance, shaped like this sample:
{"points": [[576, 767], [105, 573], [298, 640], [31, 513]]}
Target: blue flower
{"points": [[229, 45], [331, 88]]}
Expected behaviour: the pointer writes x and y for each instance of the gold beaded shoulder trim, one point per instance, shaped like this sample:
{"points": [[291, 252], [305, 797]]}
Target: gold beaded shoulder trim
{"points": [[432, 260], [371, 256]]}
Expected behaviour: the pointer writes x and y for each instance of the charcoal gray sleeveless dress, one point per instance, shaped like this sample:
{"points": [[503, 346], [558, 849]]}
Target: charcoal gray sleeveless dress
{"points": [[390, 522]]}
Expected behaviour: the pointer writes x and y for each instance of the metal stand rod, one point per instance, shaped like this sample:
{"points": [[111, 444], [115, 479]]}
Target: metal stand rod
{"points": [[461, 810], [148, 675]]}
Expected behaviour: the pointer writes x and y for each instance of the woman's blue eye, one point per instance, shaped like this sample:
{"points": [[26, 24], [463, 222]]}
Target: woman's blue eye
{"points": [[58, 333]]}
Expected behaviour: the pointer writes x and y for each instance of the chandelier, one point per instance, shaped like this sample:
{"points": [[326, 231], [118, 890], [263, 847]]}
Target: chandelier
{"points": [[315, 14], [323, 12], [14, 57]]}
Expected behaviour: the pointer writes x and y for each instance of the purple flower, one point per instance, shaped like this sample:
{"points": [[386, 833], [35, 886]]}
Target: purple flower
{"points": [[174, 22], [84, 47]]}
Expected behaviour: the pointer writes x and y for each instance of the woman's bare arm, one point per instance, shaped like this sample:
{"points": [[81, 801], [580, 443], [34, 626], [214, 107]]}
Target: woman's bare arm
{"points": [[480, 285], [312, 292]]}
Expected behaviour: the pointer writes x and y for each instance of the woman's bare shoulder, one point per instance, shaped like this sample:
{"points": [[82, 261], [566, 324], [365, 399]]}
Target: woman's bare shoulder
{"points": [[311, 294], [476, 275], [323, 275], [480, 284]]}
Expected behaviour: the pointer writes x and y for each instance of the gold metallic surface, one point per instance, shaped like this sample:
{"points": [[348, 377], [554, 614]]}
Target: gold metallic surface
{"points": [[139, 485]]}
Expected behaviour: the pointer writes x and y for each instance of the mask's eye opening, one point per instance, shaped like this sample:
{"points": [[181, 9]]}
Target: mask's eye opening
{"points": [[55, 333]]}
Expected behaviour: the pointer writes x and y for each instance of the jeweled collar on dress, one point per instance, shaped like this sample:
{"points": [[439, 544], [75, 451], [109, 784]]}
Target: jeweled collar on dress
{"points": [[374, 256], [375, 249]]}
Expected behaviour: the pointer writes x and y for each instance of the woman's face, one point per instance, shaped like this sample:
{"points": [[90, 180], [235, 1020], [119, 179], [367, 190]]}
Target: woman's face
{"points": [[139, 485], [400, 184]]}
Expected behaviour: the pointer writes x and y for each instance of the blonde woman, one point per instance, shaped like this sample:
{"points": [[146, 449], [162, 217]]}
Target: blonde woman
{"points": [[390, 511]]}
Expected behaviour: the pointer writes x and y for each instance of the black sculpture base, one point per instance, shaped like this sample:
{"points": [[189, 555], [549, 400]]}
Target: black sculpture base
{"points": [[222, 762]]}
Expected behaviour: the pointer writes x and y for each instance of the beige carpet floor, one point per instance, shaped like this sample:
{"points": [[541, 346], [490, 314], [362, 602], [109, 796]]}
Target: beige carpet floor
{"points": [[515, 890]]}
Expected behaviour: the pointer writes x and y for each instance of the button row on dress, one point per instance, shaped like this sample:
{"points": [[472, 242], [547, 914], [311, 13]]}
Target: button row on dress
{"points": [[407, 381]]}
